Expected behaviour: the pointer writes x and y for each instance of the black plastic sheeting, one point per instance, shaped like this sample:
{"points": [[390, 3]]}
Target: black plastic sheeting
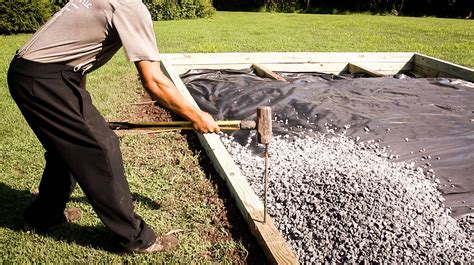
{"points": [[427, 120]]}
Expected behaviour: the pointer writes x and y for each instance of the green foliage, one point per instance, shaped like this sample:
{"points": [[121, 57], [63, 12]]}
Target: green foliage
{"points": [[24, 16], [179, 9], [280, 6], [27, 16], [59, 3], [440, 8]]}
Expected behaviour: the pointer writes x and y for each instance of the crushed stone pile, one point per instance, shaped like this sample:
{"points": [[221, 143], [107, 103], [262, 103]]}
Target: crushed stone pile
{"points": [[338, 200]]}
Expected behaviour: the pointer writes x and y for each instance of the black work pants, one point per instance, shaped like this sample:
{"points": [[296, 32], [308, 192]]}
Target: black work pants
{"points": [[79, 147]]}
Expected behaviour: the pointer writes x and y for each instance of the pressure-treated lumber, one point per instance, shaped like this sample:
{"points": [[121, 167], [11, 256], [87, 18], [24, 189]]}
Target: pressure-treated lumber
{"points": [[268, 236], [385, 63], [432, 67], [326, 67], [262, 71], [357, 69], [285, 57], [331, 63]]}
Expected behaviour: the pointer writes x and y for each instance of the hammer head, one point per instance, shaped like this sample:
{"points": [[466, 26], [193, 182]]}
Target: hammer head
{"points": [[264, 124]]}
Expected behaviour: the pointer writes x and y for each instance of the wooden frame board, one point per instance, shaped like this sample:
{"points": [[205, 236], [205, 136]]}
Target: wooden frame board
{"points": [[384, 63], [356, 69], [377, 64], [270, 239], [432, 67]]}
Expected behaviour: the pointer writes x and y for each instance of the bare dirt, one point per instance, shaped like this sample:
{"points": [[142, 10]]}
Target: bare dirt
{"points": [[228, 217]]}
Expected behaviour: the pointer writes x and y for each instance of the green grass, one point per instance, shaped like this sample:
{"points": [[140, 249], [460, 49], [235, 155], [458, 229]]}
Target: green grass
{"points": [[159, 169], [162, 168], [448, 39]]}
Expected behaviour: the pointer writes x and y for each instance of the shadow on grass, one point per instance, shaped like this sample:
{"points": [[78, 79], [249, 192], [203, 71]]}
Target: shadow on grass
{"points": [[97, 237], [13, 203], [137, 197]]}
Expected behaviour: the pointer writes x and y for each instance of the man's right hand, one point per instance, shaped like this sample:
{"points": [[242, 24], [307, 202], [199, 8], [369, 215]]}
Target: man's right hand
{"points": [[206, 124]]}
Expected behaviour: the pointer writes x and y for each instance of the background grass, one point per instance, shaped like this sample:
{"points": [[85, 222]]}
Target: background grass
{"points": [[448, 39], [162, 168]]}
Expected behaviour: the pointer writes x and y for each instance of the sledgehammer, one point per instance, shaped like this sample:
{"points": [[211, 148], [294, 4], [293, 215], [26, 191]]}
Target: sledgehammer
{"points": [[181, 125], [263, 127], [264, 136]]}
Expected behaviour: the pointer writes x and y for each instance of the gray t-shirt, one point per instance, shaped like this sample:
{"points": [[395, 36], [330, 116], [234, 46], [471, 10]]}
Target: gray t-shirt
{"points": [[85, 34]]}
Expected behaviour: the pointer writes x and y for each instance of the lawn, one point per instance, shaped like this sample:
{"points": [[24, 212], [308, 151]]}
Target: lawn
{"points": [[448, 39], [170, 188]]}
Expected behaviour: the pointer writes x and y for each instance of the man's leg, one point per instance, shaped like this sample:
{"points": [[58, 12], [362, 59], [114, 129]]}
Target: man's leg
{"points": [[67, 124], [55, 189]]}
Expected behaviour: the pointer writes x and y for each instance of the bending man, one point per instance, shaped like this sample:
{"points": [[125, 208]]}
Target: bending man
{"points": [[45, 80]]}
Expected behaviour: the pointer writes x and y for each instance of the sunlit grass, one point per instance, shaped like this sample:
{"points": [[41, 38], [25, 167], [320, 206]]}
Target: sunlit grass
{"points": [[448, 39], [162, 168]]}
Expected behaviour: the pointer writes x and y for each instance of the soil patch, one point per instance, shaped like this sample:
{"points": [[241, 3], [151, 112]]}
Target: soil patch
{"points": [[228, 218]]}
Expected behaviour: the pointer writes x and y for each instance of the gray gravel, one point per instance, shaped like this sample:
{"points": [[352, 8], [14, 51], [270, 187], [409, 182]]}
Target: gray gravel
{"points": [[338, 200]]}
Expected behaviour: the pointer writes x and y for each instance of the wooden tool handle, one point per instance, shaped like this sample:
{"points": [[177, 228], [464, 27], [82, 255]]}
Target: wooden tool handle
{"points": [[180, 125]]}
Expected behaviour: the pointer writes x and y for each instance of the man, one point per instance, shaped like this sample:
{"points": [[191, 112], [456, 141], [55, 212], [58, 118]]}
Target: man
{"points": [[45, 80]]}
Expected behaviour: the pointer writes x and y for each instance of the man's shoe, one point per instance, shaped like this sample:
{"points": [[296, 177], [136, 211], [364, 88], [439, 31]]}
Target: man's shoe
{"points": [[69, 215], [162, 243]]}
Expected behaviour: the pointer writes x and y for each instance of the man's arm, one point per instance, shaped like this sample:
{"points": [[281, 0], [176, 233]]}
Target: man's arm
{"points": [[163, 90]]}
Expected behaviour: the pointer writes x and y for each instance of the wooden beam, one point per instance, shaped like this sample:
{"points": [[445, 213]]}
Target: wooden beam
{"points": [[322, 67], [286, 57], [432, 67], [357, 69], [262, 71], [268, 236], [331, 63]]}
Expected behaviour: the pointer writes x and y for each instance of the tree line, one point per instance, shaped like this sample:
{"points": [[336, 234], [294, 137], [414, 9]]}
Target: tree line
{"points": [[440, 8], [27, 15]]}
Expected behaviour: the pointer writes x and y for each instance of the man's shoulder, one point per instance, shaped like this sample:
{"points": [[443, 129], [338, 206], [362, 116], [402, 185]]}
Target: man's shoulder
{"points": [[122, 2], [117, 4]]}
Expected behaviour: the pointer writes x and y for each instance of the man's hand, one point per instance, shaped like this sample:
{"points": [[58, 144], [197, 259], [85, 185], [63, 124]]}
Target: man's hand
{"points": [[206, 124], [163, 90]]}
